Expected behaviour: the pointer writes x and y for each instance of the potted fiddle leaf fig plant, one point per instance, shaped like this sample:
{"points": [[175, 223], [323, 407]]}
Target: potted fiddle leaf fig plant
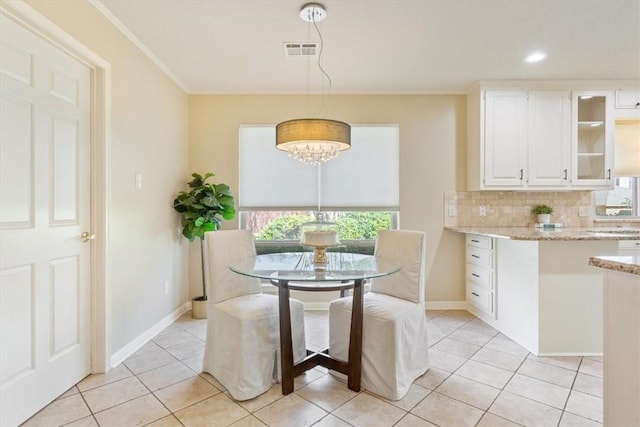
{"points": [[203, 209]]}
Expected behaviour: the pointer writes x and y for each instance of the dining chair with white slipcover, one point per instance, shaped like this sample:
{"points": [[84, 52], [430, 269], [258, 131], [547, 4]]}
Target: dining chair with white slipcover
{"points": [[394, 337], [242, 349]]}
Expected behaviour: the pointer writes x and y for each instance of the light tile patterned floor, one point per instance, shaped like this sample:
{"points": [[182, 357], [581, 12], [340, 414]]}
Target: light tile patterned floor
{"points": [[478, 377]]}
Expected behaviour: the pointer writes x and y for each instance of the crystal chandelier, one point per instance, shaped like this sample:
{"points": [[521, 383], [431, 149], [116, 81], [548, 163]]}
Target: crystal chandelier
{"points": [[313, 141]]}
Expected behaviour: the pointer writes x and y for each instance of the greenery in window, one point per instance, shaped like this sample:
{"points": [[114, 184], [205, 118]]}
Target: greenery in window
{"points": [[362, 225], [284, 228], [351, 226]]}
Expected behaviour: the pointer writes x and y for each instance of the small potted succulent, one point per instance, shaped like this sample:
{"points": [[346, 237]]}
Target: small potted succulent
{"points": [[203, 208], [544, 213]]}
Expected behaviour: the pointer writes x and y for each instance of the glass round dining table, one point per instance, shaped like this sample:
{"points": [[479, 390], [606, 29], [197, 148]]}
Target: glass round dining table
{"points": [[297, 271]]}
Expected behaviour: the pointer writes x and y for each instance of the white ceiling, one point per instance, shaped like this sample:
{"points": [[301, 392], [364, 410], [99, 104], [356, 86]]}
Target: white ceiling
{"points": [[383, 46]]}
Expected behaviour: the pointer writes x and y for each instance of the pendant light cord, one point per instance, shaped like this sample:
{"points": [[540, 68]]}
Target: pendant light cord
{"points": [[319, 216], [315, 25]]}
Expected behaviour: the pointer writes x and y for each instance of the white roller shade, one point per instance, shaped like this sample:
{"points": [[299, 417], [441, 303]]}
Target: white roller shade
{"points": [[367, 175], [268, 176], [627, 151]]}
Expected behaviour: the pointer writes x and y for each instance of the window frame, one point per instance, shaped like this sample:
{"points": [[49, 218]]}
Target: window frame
{"points": [[331, 175], [635, 201], [358, 245]]}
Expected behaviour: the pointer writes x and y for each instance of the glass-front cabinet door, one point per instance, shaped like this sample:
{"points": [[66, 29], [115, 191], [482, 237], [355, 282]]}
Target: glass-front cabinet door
{"points": [[592, 139]]}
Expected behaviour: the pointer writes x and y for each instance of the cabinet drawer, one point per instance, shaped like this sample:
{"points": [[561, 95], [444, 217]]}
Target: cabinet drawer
{"points": [[627, 98], [479, 257], [479, 276], [481, 297], [626, 246], [479, 241]]}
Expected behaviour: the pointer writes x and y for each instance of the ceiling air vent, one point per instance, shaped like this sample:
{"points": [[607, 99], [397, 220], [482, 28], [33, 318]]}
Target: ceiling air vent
{"points": [[301, 50]]}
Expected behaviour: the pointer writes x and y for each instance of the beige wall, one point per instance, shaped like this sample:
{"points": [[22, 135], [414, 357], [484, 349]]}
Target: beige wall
{"points": [[432, 160], [148, 136], [150, 117]]}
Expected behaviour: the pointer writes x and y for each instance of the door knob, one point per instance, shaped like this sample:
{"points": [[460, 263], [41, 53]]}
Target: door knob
{"points": [[86, 236]]}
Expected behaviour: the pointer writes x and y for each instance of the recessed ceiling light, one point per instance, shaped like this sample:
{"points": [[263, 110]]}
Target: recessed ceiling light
{"points": [[535, 57]]}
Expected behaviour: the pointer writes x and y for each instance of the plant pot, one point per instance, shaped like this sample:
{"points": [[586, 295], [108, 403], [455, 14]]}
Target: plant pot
{"points": [[544, 218], [199, 307]]}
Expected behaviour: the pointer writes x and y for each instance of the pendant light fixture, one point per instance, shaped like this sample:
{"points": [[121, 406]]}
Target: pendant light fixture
{"points": [[314, 140]]}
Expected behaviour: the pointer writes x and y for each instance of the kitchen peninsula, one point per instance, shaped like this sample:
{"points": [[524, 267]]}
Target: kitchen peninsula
{"points": [[621, 338], [536, 287]]}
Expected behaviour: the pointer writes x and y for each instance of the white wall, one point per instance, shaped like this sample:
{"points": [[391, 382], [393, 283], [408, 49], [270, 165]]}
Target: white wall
{"points": [[149, 115], [432, 160]]}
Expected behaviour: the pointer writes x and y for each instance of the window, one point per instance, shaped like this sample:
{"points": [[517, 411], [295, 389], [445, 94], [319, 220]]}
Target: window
{"points": [[359, 190], [623, 200]]}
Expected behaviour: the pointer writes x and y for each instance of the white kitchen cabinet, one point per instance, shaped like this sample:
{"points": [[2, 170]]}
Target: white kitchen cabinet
{"points": [[627, 104], [549, 138], [546, 297], [479, 278], [527, 138], [629, 247], [628, 98], [538, 139], [592, 139], [505, 138]]}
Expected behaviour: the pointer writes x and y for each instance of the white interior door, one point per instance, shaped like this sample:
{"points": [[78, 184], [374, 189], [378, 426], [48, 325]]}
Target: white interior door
{"points": [[44, 208]]}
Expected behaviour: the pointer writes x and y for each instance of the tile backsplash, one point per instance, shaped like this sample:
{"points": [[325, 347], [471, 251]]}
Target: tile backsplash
{"points": [[513, 208]]}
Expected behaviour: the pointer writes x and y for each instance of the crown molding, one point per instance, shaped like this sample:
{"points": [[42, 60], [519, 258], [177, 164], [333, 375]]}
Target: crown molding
{"points": [[133, 39]]}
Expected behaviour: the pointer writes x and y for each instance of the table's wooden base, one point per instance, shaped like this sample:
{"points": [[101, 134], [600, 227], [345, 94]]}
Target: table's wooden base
{"points": [[352, 368], [322, 358]]}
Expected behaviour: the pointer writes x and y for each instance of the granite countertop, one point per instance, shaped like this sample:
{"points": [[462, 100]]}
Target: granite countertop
{"points": [[623, 263], [569, 233]]}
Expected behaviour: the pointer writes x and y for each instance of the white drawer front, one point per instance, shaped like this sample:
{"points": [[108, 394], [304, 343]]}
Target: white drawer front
{"points": [[479, 241], [629, 246], [480, 297], [479, 276], [479, 257]]}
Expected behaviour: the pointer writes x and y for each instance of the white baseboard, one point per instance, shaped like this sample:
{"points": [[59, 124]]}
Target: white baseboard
{"points": [[446, 305], [134, 345], [546, 354]]}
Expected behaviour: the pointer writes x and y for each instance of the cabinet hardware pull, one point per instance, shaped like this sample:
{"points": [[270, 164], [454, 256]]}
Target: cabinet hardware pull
{"points": [[608, 173], [475, 275], [565, 174], [475, 256], [475, 241], [521, 174], [473, 293]]}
